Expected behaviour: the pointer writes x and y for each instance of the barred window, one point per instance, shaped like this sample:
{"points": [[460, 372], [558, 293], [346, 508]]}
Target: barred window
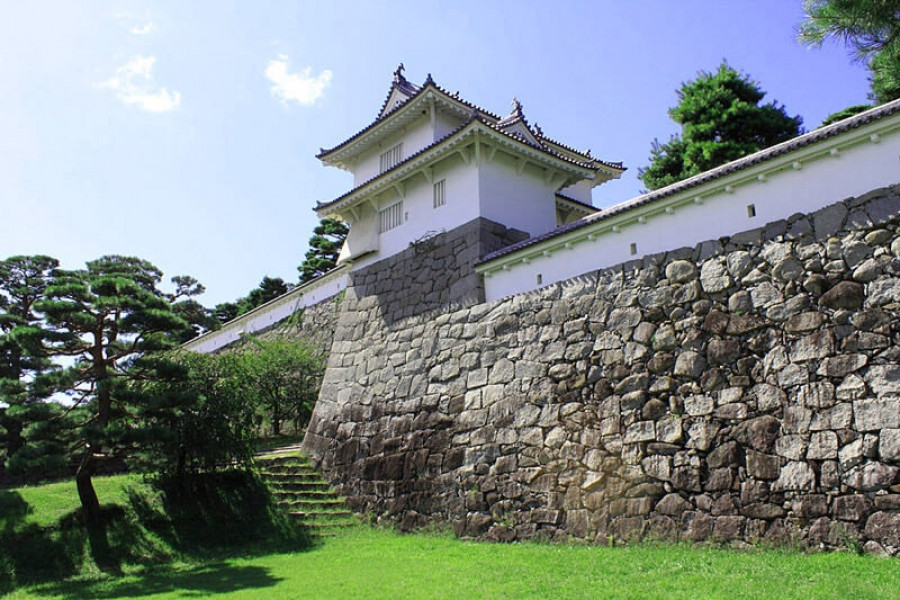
{"points": [[390, 158], [440, 197], [390, 217]]}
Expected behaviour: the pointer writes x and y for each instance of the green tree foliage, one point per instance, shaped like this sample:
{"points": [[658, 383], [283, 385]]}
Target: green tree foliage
{"points": [[194, 415], [721, 120], [200, 318], [871, 28], [27, 375], [285, 376], [104, 317], [845, 113], [885, 78], [324, 247], [268, 289]]}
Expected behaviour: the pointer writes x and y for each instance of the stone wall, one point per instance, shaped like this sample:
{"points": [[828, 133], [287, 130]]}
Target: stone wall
{"points": [[434, 274], [745, 389], [315, 324]]}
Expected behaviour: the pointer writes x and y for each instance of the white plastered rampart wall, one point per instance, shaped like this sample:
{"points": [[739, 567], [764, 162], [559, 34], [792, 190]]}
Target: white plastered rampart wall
{"points": [[273, 312], [800, 181], [420, 217]]}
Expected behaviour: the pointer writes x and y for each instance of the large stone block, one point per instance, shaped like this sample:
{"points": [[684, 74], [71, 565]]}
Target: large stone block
{"points": [[875, 414]]}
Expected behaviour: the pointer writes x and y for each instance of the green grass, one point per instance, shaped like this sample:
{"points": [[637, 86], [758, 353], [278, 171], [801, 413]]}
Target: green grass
{"points": [[51, 502], [161, 557], [372, 563], [43, 539]]}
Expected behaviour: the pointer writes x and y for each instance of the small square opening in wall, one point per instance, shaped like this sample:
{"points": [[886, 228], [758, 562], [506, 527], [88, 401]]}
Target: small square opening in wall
{"points": [[633, 248], [751, 211], [540, 279]]}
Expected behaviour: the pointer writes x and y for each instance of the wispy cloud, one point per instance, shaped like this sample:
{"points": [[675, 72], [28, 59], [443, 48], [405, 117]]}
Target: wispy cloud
{"points": [[144, 26], [302, 87], [134, 85]]}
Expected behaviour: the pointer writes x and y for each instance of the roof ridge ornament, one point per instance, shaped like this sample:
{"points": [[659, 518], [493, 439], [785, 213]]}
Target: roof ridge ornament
{"points": [[398, 74], [427, 80], [516, 108]]}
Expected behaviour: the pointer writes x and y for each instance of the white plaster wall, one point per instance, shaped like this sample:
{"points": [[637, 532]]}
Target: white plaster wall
{"points": [[271, 313], [414, 136], [855, 171], [580, 191], [518, 200], [445, 124], [461, 192]]}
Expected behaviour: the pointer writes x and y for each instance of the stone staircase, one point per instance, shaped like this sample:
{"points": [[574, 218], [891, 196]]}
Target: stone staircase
{"points": [[300, 489]]}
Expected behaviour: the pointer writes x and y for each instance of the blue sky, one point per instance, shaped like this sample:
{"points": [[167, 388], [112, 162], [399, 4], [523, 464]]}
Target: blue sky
{"points": [[186, 132]]}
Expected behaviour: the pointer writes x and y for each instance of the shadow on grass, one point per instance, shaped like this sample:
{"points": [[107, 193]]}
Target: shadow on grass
{"points": [[215, 514], [202, 581], [207, 518]]}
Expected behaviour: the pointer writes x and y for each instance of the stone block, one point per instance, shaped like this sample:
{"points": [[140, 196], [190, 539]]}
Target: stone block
{"points": [[795, 476], [819, 394], [884, 379], [642, 431], [791, 447], [870, 477], [845, 294], [763, 466], [815, 346], [698, 405], [689, 364], [855, 507], [763, 510], [889, 445], [884, 527], [875, 414], [822, 445], [701, 435]]}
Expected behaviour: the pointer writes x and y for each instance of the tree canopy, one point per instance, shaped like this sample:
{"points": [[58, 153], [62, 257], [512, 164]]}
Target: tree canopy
{"points": [[27, 375], [105, 316], [324, 247], [268, 289], [721, 120], [871, 28]]}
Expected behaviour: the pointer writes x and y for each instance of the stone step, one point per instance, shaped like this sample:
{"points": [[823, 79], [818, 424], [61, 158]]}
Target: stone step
{"points": [[307, 476], [282, 461], [313, 504], [300, 490], [306, 486], [321, 516]]}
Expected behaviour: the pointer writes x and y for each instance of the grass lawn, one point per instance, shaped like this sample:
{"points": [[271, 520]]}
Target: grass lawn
{"points": [[363, 562], [372, 563]]}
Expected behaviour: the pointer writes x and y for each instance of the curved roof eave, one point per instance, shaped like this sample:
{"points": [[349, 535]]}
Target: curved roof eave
{"points": [[444, 145]]}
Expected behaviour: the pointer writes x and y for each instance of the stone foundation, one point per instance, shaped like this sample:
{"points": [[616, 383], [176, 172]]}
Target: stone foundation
{"points": [[745, 389]]}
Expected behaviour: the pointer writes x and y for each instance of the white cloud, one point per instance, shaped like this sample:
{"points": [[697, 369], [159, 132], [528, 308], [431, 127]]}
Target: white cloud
{"points": [[146, 28], [144, 25], [300, 87], [134, 85]]}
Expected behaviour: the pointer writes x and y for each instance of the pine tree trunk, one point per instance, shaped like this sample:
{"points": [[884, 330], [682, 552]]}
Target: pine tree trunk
{"points": [[90, 504]]}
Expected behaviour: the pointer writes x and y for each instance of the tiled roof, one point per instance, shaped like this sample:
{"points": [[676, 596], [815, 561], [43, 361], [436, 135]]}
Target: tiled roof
{"points": [[415, 91], [474, 118], [740, 164], [587, 206]]}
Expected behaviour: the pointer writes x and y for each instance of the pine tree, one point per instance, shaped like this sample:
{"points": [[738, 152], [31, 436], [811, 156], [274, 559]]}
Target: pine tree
{"points": [[104, 317], [721, 121], [26, 372], [324, 247], [871, 28]]}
